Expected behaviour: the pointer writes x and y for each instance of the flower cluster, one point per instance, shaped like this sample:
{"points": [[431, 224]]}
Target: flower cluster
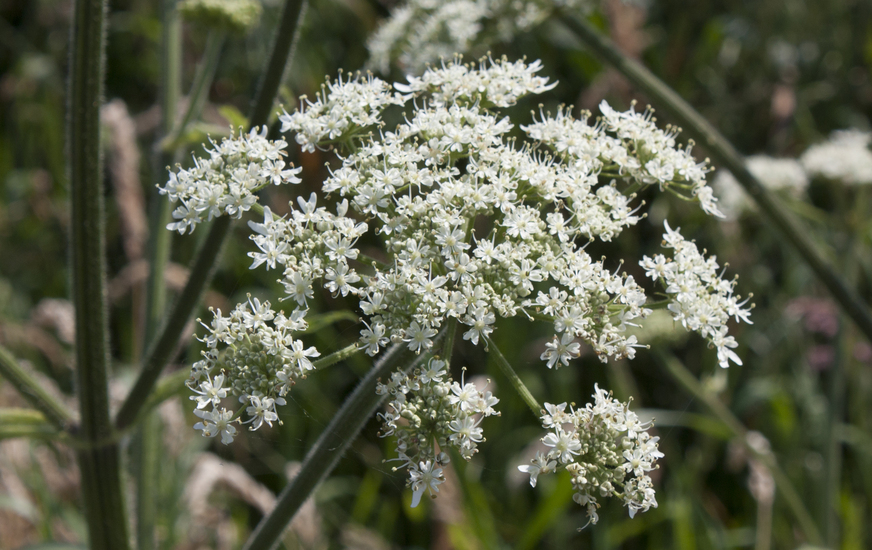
{"points": [[225, 182], [419, 32], [342, 109], [699, 298], [429, 412], [628, 144], [605, 448], [251, 355], [845, 157], [777, 174], [473, 222]]}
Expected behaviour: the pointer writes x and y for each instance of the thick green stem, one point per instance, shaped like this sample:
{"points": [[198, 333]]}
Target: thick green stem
{"points": [[513, 377], [323, 456], [161, 350], [54, 411], [98, 462], [684, 377], [726, 155]]}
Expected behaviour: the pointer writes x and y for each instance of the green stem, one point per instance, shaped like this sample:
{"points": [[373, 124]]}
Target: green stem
{"points": [[725, 154], [26, 423], [448, 345], [99, 462], [281, 57], [147, 443], [336, 356], [54, 411], [323, 456], [684, 377], [513, 377], [203, 77], [160, 351]]}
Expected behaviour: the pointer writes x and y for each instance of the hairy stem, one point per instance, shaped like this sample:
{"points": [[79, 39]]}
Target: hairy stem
{"points": [[99, 461], [684, 377], [725, 154]]}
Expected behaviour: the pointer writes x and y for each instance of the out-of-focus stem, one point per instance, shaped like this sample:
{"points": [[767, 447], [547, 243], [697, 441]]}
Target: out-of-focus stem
{"points": [[726, 155], [684, 377], [513, 377], [27, 423], [54, 411]]}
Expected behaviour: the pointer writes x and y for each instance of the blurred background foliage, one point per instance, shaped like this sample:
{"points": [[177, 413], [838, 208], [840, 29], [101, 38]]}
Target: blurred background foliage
{"points": [[775, 76]]}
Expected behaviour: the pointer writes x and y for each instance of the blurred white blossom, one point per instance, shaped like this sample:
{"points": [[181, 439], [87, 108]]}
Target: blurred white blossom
{"points": [[777, 174], [845, 157]]}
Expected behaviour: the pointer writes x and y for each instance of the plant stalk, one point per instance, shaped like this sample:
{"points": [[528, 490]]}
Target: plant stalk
{"points": [[325, 454], [513, 377], [725, 154], [99, 460]]}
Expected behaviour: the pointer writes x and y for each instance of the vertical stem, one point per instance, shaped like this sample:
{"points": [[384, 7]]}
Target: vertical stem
{"points": [[147, 444], [725, 154], [323, 456], [99, 458]]}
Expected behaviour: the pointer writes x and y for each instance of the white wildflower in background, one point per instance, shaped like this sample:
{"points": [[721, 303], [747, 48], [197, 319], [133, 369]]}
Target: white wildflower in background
{"points": [[419, 32], [226, 182], [250, 355], [429, 412], [777, 174], [606, 449], [845, 157]]}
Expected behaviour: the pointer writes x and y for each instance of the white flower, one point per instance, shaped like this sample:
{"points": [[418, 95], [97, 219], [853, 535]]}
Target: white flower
{"points": [[539, 465], [425, 477], [216, 422]]}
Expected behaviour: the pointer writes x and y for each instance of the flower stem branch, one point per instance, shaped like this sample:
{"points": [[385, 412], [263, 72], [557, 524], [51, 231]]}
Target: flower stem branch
{"points": [[99, 462], [684, 377], [53, 411], [513, 377], [323, 456], [723, 153]]}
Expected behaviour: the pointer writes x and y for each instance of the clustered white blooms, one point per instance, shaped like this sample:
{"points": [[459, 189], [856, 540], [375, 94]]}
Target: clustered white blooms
{"points": [[474, 224], [699, 298], [250, 354], [226, 182], [605, 448], [429, 412], [845, 157], [777, 174], [342, 110], [419, 32]]}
